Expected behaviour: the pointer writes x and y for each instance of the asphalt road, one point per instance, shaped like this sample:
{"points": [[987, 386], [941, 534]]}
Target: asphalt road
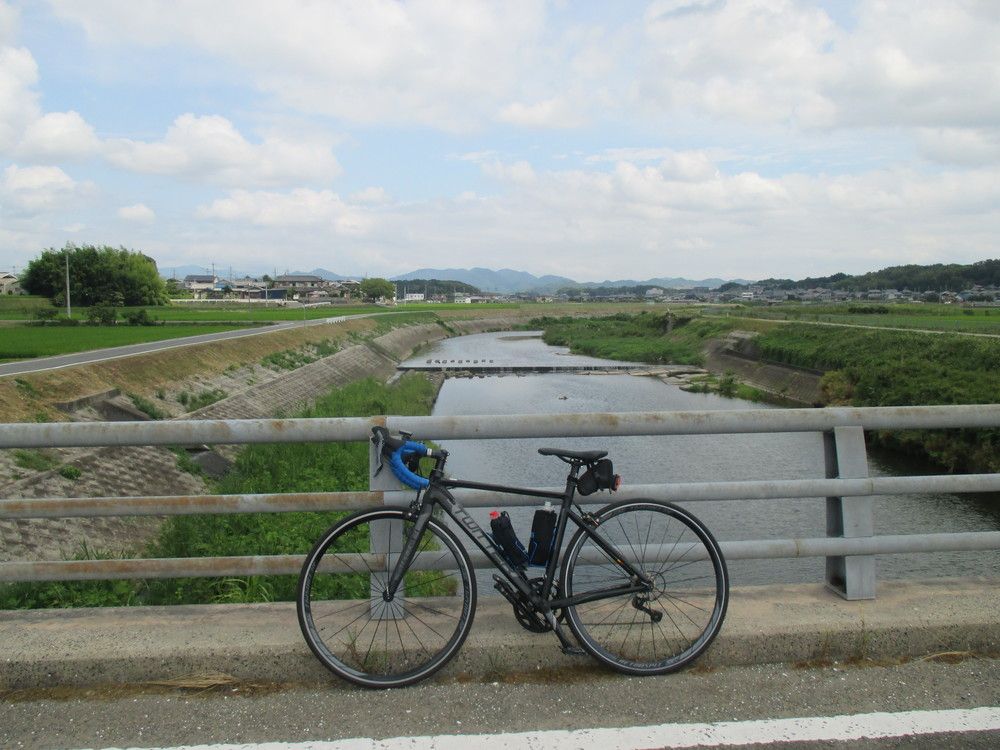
{"points": [[528, 702]]}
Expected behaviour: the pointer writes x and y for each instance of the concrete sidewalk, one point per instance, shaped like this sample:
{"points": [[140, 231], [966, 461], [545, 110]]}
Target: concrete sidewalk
{"points": [[262, 642]]}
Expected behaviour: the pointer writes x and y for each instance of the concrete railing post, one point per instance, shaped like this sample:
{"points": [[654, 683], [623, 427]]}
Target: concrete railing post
{"points": [[386, 536], [853, 576]]}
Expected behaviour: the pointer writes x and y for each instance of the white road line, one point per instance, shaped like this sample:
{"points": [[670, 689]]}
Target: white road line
{"points": [[720, 734]]}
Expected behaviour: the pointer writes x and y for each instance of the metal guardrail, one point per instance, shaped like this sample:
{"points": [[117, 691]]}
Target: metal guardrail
{"points": [[848, 547]]}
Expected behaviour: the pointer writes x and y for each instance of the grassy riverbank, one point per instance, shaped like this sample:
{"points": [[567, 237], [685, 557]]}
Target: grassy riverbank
{"points": [[299, 467], [863, 368], [656, 338]]}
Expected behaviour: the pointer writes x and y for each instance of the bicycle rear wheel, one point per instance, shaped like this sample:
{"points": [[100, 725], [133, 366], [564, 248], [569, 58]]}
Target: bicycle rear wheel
{"points": [[667, 627], [352, 625]]}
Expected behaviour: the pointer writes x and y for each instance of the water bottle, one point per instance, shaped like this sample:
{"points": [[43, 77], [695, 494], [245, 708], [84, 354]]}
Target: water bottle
{"points": [[543, 536]]}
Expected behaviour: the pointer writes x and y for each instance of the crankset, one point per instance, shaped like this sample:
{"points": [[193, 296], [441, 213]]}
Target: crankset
{"points": [[526, 615]]}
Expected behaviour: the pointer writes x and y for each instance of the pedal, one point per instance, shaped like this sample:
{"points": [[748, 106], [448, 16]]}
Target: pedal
{"points": [[565, 645]]}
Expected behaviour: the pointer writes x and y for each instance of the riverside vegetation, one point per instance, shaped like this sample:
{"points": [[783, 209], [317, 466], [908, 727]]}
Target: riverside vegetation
{"points": [[862, 368], [290, 467]]}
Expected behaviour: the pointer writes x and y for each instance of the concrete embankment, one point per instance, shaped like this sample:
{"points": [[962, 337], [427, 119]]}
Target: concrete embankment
{"points": [[737, 355], [119, 472], [938, 618]]}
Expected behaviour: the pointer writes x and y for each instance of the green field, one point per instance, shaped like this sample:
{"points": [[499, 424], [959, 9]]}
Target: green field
{"points": [[24, 308], [20, 307], [27, 342], [933, 317]]}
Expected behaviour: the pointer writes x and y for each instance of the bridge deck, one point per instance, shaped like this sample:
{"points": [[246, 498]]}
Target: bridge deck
{"points": [[262, 642]]}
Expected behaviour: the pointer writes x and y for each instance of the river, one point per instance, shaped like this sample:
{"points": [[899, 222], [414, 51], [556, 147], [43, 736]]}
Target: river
{"points": [[687, 458]]}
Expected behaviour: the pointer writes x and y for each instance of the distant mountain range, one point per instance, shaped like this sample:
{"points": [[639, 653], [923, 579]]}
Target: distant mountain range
{"points": [[933, 277], [507, 280], [179, 272], [486, 280]]}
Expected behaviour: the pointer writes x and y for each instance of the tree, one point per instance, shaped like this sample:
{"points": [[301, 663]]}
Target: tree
{"points": [[97, 275], [374, 289]]}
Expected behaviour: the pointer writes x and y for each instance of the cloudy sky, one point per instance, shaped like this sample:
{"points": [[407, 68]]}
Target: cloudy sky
{"points": [[696, 138]]}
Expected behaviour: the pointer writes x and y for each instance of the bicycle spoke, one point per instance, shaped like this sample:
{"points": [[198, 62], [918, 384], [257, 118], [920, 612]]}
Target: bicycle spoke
{"points": [[655, 630], [383, 643]]}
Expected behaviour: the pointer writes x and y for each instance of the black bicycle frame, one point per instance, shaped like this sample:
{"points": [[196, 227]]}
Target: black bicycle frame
{"points": [[437, 495]]}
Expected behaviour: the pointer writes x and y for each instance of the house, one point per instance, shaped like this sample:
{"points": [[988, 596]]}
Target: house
{"points": [[196, 283], [9, 283], [300, 282]]}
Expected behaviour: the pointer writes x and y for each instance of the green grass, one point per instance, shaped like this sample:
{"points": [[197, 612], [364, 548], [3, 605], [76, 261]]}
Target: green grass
{"points": [[147, 407], [898, 368], [933, 317], [24, 308], [285, 467], [291, 359], [21, 307], [27, 342], [637, 338], [195, 401], [34, 459]]}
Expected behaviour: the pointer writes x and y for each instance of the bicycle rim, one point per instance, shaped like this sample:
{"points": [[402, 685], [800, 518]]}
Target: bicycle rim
{"points": [[668, 627], [352, 626]]}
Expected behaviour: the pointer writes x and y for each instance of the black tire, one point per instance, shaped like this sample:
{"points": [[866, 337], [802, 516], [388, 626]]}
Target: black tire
{"points": [[360, 636], [690, 593]]}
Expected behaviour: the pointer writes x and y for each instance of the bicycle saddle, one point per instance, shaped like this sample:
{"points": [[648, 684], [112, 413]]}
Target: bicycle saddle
{"points": [[586, 457]]}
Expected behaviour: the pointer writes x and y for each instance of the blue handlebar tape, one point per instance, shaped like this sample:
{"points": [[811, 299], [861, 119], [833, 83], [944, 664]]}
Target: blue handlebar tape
{"points": [[402, 473]]}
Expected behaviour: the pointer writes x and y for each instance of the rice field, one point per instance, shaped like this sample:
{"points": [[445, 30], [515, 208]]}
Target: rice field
{"points": [[27, 342]]}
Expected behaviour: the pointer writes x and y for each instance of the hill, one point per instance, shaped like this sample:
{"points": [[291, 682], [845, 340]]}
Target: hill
{"points": [[938, 277], [510, 281]]}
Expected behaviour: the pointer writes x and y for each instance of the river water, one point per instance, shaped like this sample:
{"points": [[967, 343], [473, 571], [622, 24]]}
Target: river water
{"points": [[687, 458]]}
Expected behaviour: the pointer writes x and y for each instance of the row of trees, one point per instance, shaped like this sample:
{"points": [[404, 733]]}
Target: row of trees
{"points": [[952, 277], [97, 276]]}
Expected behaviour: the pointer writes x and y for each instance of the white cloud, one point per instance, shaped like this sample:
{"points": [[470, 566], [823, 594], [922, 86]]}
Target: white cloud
{"points": [[934, 64], [58, 135], [24, 130], [372, 195], [211, 149], [430, 62], [967, 146], [551, 113], [18, 100], [8, 21], [35, 189], [300, 207], [139, 212]]}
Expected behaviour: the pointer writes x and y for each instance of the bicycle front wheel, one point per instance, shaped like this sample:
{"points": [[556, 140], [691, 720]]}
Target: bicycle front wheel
{"points": [[667, 627], [360, 632]]}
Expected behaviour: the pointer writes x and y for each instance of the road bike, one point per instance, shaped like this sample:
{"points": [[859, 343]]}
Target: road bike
{"points": [[387, 596]]}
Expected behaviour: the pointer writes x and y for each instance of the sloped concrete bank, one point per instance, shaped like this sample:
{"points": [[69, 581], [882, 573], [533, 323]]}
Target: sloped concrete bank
{"points": [[737, 354], [124, 472]]}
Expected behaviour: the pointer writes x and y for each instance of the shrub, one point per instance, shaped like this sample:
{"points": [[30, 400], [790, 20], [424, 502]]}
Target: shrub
{"points": [[102, 315], [140, 317], [70, 472], [147, 407]]}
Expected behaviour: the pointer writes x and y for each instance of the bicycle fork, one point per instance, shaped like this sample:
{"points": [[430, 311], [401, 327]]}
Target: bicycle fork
{"points": [[408, 552]]}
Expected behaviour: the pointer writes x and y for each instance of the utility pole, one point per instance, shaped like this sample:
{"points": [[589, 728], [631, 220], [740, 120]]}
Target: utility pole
{"points": [[69, 309]]}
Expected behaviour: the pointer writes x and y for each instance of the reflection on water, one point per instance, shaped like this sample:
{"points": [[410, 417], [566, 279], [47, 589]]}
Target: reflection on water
{"points": [[688, 458]]}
